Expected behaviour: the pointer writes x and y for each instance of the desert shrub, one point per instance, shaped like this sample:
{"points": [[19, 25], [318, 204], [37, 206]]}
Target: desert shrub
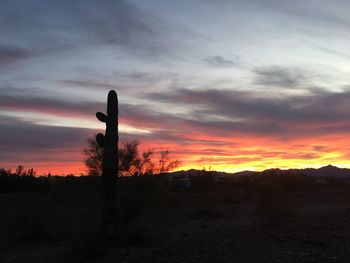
{"points": [[202, 205], [25, 227], [245, 181], [231, 196], [271, 203], [72, 210], [297, 183], [21, 183], [34, 229], [207, 209], [137, 195], [333, 181], [88, 239], [203, 183]]}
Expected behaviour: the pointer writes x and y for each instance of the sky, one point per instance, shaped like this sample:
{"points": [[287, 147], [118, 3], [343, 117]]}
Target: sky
{"points": [[227, 84]]}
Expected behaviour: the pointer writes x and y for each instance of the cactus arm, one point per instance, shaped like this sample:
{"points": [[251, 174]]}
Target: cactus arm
{"points": [[101, 117]]}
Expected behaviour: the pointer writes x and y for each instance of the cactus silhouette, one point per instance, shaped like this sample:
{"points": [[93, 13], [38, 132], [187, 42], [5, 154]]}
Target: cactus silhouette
{"points": [[109, 143]]}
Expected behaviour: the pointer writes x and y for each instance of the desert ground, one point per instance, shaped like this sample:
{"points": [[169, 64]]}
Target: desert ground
{"points": [[225, 222]]}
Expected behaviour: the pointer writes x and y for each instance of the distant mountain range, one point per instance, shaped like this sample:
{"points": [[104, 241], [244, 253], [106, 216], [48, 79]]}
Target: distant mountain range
{"points": [[326, 171]]}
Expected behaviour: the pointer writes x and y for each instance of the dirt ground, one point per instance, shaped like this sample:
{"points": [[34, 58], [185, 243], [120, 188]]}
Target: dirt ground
{"points": [[221, 226]]}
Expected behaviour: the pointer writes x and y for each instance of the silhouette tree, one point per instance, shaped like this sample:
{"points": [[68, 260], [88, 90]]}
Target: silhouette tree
{"points": [[136, 163], [165, 164], [132, 162], [93, 157], [20, 170], [31, 172]]}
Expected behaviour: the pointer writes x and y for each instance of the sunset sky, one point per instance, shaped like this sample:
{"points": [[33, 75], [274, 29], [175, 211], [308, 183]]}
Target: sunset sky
{"points": [[231, 84]]}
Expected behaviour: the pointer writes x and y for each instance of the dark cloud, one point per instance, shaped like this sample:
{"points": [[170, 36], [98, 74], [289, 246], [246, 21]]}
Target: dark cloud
{"points": [[61, 25], [91, 84], [220, 62], [12, 54], [261, 115], [168, 134], [117, 22], [333, 51], [127, 81], [49, 106], [137, 115], [327, 15], [146, 79], [279, 76], [21, 140]]}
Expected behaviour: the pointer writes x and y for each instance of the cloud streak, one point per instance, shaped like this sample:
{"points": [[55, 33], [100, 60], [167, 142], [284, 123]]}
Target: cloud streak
{"points": [[281, 77], [221, 62], [212, 111], [10, 55], [260, 114]]}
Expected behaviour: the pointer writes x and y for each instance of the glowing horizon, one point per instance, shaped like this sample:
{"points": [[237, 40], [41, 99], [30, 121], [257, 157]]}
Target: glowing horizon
{"points": [[249, 156]]}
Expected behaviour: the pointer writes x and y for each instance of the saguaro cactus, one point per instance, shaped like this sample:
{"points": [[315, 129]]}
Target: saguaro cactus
{"points": [[109, 142]]}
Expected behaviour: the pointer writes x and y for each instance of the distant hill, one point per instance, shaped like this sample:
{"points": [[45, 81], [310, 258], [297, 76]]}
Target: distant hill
{"points": [[329, 171], [194, 172], [326, 171]]}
